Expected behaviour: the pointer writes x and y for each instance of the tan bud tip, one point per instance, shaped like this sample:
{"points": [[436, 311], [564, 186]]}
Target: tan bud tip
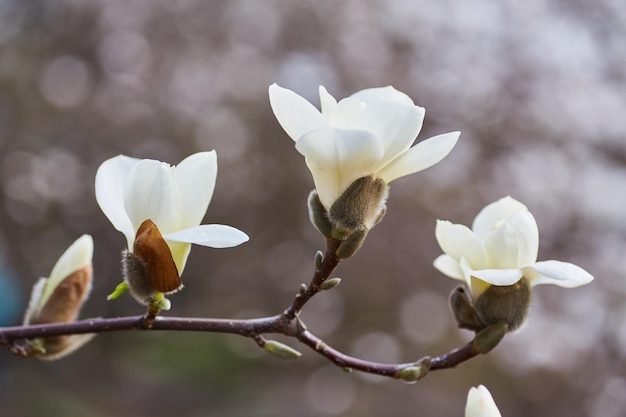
{"points": [[280, 350]]}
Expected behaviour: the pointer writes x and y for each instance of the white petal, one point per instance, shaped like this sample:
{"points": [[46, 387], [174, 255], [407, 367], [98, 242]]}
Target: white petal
{"points": [[338, 157], [345, 112], [328, 103], [294, 113], [498, 276], [514, 242], [458, 241], [110, 179], [421, 156], [388, 93], [563, 274], [449, 266], [77, 256], [212, 235], [151, 192], [480, 403], [494, 213], [196, 177], [397, 125]]}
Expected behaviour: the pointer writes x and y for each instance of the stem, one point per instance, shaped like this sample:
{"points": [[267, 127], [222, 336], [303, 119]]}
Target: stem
{"points": [[288, 323], [329, 264]]}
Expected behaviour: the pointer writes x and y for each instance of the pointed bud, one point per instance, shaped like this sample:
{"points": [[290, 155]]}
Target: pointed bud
{"points": [[359, 208], [281, 350], [348, 247], [464, 313], [149, 270], [488, 338], [318, 214], [319, 260], [504, 304], [330, 284], [59, 298], [412, 374]]}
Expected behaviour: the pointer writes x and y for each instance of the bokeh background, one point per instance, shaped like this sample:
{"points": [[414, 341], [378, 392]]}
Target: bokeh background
{"points": [[537, 88]]}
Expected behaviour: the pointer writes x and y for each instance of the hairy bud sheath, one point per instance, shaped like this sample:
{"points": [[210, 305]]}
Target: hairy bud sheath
{"points": [[150, 270], [507, 304], [62, 306]]}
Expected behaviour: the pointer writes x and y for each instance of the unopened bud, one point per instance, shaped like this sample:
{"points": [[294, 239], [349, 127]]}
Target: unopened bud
{"points": [[318, 214], [412, 374], [463, 310], [348, 247], [281, 350], [489, 337], [319, 259], [330, 283], [59, 298]]}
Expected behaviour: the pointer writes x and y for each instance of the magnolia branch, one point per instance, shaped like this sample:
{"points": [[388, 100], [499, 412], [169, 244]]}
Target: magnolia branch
{"points": [[15, 339]]}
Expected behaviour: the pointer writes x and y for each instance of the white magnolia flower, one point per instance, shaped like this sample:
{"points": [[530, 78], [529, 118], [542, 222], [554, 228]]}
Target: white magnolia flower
{"points": [[368, 133], [480, 403], [131, 191], [500, 248]]}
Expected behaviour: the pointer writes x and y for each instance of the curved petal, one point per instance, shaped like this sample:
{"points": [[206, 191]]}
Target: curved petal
{"points": [[514, 242], [449, 266], [498, 276], [151, 192], [327, 103], [421, 156], [480, 403], [458, 241], [196, 177], [344, 114], [337, 157], [494, 213], [388, 93], [110, 179], [211, 235], [294, 113], [396, 124], [563, 274], [75, 257]]}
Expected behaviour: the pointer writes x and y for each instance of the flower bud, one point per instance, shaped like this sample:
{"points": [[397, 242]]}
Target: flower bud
{"points": [[489, 337], [318, 214], [464, 312], [59, 298], [412, 374], [281, 350], [330, 283]]}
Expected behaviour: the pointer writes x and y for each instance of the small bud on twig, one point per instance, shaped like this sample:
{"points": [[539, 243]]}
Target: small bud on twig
{"points": [[280, 350]]}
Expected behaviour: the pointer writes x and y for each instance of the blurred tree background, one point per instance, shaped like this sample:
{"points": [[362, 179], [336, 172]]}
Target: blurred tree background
{"points": [[538, 90]]}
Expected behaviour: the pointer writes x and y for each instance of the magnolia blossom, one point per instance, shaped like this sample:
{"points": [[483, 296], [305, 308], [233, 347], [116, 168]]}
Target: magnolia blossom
{"points": [[480, 403], [500, 249], [368, 133], [175, 198], [59, 298]]}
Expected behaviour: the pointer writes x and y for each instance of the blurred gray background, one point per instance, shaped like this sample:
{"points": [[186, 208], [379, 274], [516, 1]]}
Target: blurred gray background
{"points": [[538, 90]]}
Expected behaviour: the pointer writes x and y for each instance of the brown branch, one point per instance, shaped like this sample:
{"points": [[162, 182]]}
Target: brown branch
{"points": [[288, 323]]}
